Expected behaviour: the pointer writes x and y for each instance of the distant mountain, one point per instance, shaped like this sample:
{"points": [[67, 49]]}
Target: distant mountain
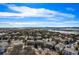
{"points": [[63, 28]]}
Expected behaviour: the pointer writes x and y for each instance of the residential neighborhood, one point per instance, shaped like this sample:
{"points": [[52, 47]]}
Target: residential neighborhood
{"points": [[37, 41]]}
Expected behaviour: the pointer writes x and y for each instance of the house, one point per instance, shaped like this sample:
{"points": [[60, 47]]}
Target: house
{"points": [[30, 42], [50, 45], [70, 51], [59, 47], [2, 51]]}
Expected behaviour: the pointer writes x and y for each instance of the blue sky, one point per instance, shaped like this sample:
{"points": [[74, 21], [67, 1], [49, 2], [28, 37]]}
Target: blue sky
{"points": [[39, 15]]}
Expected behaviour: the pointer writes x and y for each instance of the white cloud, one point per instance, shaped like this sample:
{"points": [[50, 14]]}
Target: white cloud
{"points": [[19, 23], [70, 9], [39, 24], [25, 11]]}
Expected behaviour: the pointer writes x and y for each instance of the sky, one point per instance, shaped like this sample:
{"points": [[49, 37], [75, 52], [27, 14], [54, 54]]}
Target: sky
{"points": [[39, 15]]}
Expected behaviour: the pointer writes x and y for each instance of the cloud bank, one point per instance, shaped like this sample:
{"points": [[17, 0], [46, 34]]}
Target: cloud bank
{"points": [[55, 17], [25, 11]]}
